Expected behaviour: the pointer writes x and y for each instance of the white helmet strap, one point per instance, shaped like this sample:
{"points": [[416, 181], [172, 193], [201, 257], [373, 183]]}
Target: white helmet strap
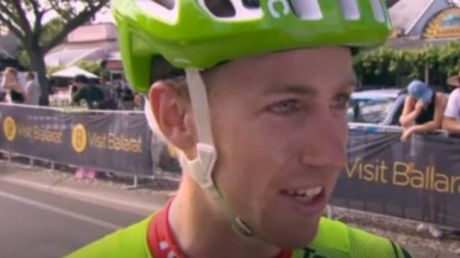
{"points": [[201, 168], [200, 106]]}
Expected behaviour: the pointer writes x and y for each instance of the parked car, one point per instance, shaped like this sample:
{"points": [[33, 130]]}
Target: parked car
{"points": [[377, 107]]}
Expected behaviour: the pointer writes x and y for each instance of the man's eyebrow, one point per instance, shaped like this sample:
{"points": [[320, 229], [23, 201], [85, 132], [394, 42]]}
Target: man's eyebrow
{"points": [[300, 89], [305, 89], [350, 83]]}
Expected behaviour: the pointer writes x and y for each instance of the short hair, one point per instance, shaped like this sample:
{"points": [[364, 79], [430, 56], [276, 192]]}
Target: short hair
{"points": [[81, 78], [30, 76], [11, 70]]}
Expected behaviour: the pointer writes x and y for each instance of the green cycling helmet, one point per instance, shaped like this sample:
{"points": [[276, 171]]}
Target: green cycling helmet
{"points": [[203, 33]]}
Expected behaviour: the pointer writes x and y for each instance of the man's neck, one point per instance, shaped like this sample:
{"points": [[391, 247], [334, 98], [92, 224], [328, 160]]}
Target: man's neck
{"points": [[202, 231]]}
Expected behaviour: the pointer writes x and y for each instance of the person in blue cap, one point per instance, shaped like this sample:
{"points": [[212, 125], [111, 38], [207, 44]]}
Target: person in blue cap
{"points": [[423, 110]]}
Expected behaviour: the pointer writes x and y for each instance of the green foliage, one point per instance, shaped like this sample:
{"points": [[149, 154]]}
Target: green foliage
{"points": [[51, 29], [52, 69], [24, 59], [384, 66], [90, 66]]}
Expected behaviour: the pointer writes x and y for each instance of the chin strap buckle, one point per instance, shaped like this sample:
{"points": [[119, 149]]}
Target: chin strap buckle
{"points": [[202, 166], [241, 228]]}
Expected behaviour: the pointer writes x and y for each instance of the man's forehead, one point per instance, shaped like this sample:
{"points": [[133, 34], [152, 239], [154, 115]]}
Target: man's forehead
{"points": [[311, 62], [296, 70]]}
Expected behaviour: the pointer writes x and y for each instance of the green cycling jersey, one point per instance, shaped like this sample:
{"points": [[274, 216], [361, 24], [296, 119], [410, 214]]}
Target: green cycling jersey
{"points": [[333, 240]]}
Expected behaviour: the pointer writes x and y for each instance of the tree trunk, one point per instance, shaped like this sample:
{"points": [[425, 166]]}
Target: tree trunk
{"points": [[37, 63]]}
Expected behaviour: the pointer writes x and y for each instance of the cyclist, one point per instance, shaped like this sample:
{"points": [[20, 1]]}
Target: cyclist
{"points": [[253, 96]]}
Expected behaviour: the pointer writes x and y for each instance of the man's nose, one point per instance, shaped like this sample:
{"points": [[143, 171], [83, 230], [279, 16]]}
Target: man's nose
{"points": [[326, 143]]}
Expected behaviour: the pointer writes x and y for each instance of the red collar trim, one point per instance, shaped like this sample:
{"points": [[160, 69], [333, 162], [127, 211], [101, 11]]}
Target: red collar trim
{"points": [[161, 240]]}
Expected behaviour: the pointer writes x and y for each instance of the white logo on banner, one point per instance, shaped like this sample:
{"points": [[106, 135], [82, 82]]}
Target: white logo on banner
{"points": [[274, 12]]}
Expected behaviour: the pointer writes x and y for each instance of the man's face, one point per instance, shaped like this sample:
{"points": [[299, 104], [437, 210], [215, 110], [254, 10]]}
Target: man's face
{"points": [[10, 76], [280, 130]]}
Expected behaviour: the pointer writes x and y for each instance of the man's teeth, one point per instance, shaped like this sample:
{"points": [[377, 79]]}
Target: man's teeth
{"points": [[313, 191], [305, 195]]}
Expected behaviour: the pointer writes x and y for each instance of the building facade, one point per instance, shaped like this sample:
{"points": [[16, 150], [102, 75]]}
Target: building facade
{"points": [[93, 42], [418, 23]]}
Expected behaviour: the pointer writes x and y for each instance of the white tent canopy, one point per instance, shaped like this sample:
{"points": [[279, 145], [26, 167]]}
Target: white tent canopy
{"points": [[73, 71]]}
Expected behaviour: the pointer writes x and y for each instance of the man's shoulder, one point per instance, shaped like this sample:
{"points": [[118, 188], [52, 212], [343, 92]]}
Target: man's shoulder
{"points": [[127, 242], [338, 240]]}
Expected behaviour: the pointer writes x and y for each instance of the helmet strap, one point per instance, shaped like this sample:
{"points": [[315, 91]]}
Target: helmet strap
{"points": [[202, 167]]}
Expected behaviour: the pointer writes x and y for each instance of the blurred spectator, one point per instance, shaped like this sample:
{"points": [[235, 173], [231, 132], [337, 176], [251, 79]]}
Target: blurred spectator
{"points": [[87, 91], [139, 102], [110, 97], [10, 83], [94, 97], [32, 90], [73, 89], [3, 91], [423, 110], [2, 99], [451, 121], [52, 86], [125, 95]]}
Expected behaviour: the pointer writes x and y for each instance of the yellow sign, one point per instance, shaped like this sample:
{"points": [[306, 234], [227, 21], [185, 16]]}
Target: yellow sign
{"points": [[396, 32], [444, 25], [172, 151], [9, 128], [79, 138], [404, 174]]}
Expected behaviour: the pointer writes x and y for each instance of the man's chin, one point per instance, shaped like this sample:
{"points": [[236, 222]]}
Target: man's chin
{"points": [[298, 238]]}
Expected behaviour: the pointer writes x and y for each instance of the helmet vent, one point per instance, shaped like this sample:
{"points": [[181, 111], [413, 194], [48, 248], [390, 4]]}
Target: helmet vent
{"points": [[307, 10], [168, 4], [378, 10], [166, 10], [251, 3], [350, 9], [221, 9]]}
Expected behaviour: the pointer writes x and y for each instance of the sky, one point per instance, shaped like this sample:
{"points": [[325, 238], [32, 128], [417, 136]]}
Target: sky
{"points": [[105, 16]]}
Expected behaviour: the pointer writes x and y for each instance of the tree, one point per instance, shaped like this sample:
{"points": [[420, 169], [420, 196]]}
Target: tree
{"points": [[26, 20], [384, 66], [50, 29]]}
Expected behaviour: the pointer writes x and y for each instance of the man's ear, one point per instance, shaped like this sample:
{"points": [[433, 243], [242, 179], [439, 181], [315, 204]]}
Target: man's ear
{"points": [[173, 115]]}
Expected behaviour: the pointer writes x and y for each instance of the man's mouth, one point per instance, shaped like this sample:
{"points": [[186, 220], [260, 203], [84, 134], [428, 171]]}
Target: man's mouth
{"points": [[306, 195], [310, 200]]}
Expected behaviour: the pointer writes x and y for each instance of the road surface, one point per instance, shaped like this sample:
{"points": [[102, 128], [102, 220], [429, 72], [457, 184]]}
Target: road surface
{"points": [[48, 215], [37, 224]]}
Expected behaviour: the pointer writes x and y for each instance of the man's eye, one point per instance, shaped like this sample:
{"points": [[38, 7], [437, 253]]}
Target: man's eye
{"points": [[341, 101], [285, 107]]}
